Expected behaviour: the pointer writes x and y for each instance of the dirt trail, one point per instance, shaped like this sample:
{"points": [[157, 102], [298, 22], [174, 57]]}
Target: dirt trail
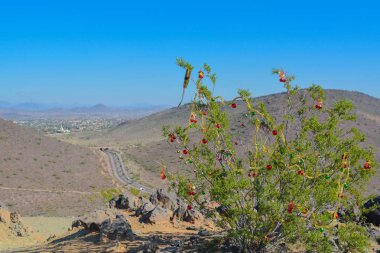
{"points": [[44, 190]]}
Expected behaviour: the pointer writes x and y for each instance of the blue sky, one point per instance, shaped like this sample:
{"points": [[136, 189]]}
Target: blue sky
{"points": [[123, 52]]}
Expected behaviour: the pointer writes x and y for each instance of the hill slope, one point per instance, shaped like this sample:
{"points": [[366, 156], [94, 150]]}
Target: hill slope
{"points": [[144, 147], [42, 175]]}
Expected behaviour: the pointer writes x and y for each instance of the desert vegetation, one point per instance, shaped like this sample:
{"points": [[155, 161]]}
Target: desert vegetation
{"points": [[301, 186]]}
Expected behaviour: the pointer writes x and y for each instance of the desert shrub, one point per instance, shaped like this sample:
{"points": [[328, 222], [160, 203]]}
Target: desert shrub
{"points": [[108, 194], [285, 183]]}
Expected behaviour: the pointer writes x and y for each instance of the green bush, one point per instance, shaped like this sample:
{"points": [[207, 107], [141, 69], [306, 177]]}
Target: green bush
{"points": [[288, 181]]}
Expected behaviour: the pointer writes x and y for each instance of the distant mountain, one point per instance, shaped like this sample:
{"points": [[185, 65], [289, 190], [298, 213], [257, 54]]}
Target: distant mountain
{"points": [[142, 139], [25, 111]]}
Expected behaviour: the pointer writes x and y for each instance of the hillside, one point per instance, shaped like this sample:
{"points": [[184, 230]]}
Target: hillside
{"points": [[144, 147], [44, 176]]}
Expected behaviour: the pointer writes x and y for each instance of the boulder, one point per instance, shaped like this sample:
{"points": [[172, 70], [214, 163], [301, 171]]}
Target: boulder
{"points": [[374, 215], [15, 225], [145, 207], [164, 199], [121, 202], [182, 213], [94, 220], [115, 229], [155, 215]]}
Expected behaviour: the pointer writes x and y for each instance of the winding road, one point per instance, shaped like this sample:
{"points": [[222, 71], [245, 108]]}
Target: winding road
{"points": [[120, 172]]}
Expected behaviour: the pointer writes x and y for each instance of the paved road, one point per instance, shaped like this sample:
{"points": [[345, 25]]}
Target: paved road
{"points": [[120, 172]]}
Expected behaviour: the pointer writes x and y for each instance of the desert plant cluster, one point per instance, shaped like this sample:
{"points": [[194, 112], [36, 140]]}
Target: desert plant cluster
{"points": [[275, 188]]}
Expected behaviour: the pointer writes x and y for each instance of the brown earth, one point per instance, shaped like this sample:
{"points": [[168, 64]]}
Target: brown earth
{"points": [[43, 176]]}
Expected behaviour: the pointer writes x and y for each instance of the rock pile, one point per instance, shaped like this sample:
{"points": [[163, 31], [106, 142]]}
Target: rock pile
{"points": [[12, 220], [110, 224]]}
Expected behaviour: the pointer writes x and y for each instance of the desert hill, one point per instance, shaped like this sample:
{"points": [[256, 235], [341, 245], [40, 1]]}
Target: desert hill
{"points": [[44, 176], [144, 147]]}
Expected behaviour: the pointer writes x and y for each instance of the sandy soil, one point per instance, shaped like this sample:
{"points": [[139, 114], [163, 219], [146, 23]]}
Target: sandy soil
{"points": [[40, 229]]}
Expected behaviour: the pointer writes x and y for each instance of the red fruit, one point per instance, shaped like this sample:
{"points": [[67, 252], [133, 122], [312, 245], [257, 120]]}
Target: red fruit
{"points": [[274, 132], [189, 207], [163, 176], [249, 174], [189, 193], [217, 126], [254, 174], [282, 79], [233, 105], [242, 125], [290, 207], [204, 141], [300, 172], [204, 113], [345, 165], [201, 74], [319, 107], [193, 121], [171, 140], [367, 165], [269, 167], [185, 152], [336, 216]]}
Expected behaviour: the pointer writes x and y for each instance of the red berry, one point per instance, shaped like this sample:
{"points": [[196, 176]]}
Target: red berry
{"points": [[282, 79], [300, 172], [254, 174], [233, 105], [171, 140], [201, 74], [204, 141], [189, 207], [242, 125], [217, 126], [204, 113], [269, 167], [249, 174], [319, 107], [336, 215], [189, 193], [185, 151], [345, 165], [367, 165], [290, 207], [274, 132]]}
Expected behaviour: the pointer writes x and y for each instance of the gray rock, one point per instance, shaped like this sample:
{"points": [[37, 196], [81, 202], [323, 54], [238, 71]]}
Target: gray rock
{"points": [[164, 199], [373, 216], [148, 247], [204, 233], [115, 229], [153, 216], [16, 226], [94, 220], [144, 208], [120, 202]]}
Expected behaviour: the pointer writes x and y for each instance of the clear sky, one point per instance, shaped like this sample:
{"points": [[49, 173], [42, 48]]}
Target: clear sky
{"points": [[123, 52]]}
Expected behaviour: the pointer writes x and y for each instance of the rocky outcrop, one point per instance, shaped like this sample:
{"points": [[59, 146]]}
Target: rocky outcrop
{"points": [[164, 199], [13, 222], [110, 224], [94, 220], [374, 215], [155, 215], [116, 229], [121, 202]]}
